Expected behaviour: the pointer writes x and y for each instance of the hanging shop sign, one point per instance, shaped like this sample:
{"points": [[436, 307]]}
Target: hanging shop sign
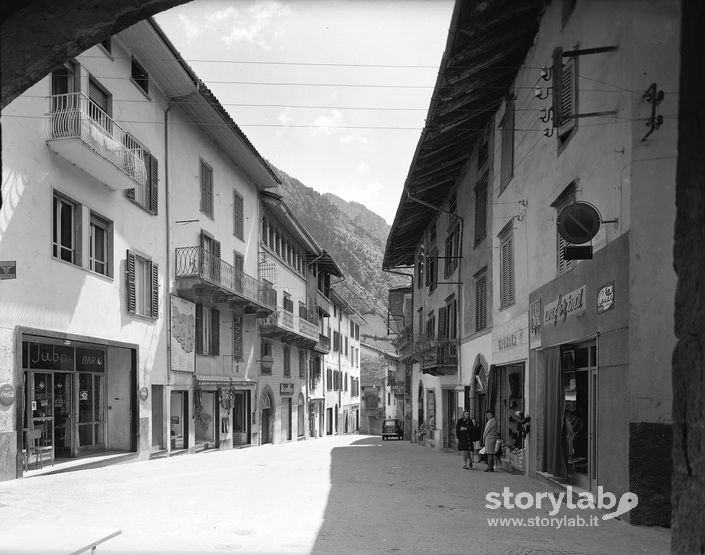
{"points": [[286, 389], [237, 337], [535, 324], [605, 298], [8, 269], [565, 306], [7, 394], [183, 335]]}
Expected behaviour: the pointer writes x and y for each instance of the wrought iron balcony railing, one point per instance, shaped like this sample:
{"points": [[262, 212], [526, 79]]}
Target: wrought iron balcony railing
{"points": [[76, 116], [291, 322], [438, 352], [197, 262]]}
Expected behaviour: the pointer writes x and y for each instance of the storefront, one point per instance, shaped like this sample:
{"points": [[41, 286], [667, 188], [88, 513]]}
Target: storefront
{"points": [[579, 340], [80, 394]]}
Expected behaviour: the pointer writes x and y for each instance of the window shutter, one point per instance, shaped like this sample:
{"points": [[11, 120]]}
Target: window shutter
{"points": [[154, 296], [131, 294], [238, 223], [199, 328], [442, 322], [507, 168], [568, 97], [215, 332], [153, 184], [130, 193]]}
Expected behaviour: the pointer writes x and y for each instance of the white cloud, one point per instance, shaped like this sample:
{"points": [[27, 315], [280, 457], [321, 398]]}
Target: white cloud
{"points": [[253, 25], [325, 125], [362, 167], [347, 139], [285, 117], [191, 28]]}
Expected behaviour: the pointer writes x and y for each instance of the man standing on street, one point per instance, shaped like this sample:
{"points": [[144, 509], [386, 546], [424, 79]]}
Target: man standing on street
{"points": [[489, 439]]}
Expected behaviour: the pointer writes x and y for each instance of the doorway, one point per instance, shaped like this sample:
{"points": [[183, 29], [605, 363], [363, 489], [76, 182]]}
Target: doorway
{"points": [[580, 387], [241, 418], [451, 416], [179, 420], [266, 420], [63, 409]]}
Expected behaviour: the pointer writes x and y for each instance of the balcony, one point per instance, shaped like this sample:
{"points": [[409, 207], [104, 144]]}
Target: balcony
{"points": [[438, 357], [199, 273], [323, 345], [82, 133], [289, 327]]}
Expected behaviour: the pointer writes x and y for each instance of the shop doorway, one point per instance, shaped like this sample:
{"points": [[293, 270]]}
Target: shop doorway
{"points": [[63, 409], [179, 420], [580, 424], [241, 418], [266, 421], [451, 416]]}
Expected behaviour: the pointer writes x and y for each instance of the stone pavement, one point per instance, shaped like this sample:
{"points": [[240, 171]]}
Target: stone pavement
{"points": [[335, 495]]}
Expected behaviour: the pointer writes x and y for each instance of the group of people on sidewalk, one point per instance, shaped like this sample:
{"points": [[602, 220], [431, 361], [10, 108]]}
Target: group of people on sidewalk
{"points": [[471, 436]]}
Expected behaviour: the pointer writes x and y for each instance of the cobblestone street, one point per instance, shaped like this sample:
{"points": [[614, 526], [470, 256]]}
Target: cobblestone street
{"points": [[342, 494]]}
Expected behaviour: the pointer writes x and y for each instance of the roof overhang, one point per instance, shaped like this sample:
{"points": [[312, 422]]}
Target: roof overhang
{"points": [[487, 43]]}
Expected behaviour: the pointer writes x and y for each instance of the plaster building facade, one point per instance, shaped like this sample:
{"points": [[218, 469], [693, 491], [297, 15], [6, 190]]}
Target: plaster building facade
{"points": [[581, 130]]}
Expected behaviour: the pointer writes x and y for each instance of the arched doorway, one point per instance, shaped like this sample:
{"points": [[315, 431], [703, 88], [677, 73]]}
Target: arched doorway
{"points": [[420, 405], [267, 416]]}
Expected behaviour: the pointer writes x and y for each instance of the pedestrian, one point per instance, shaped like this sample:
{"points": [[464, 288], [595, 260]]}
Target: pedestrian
{"points": [[464, 431], [476, 436], [489, 439]]}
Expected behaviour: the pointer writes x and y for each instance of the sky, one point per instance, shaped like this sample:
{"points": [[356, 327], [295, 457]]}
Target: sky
{"points": [[333, 92]]}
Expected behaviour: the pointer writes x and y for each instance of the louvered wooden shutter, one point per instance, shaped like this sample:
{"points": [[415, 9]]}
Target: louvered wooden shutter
{"points": [[507, 168], [216, 249], [442, 322], [238, 216], [130, 193], [215, 332], [154, 296], [507, 277], [153, 184], [130, 288], [568, 97], [481, 304], [199, 329]]}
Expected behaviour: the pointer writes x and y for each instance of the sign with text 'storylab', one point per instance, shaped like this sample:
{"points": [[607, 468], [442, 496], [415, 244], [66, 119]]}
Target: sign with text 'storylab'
{"points": [[183, 335], [570, 304]]}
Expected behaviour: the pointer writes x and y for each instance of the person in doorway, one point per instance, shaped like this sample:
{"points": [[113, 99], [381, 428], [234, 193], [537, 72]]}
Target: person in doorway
{"points": [[464, 432], [489, 440]]}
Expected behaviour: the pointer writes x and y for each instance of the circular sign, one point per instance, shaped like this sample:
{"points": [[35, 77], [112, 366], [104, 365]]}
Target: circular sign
{"points": [[144, 393], [7, 394], [579, 222]]}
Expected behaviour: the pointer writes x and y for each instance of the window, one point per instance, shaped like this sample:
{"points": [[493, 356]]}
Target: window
{"points": [[451, 316], [432, 273], [420, 261], [100, 246], [565, 99], [452, 251], [506, 265], [357, 332], [507, 160], [65, 230], [140, 76], [336, 341], [142, 286], [238, 216], [265, 358], [442, 323], [210, 258], [345, 382], [147, 196], [288, 303], [238, 269], [206, 189], [99, 108], [346, 346], [329, 379], [287, 361], [481, 300], [207, 330], [302, 364], [481, 208], [431, 326], [564, 199]]}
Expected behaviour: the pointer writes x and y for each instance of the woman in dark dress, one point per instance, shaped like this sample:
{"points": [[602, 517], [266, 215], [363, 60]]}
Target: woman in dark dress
{"points": [[464, 432]]}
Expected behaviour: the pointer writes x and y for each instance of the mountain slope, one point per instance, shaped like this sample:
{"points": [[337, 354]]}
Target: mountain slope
{"points": [[355, 237]]}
